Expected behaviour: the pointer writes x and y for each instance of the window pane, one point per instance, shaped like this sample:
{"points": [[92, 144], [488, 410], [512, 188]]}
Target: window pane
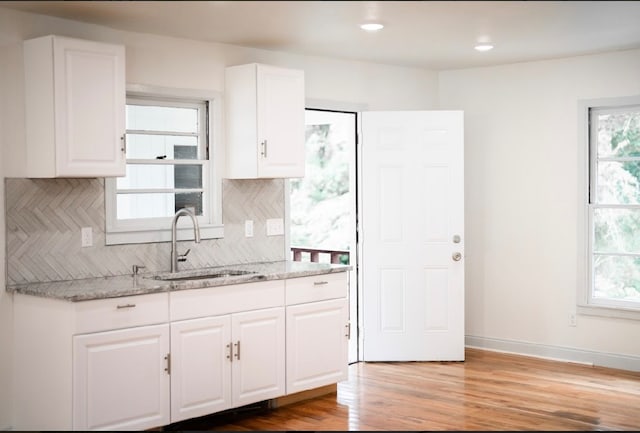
{"points": [[142, 146], [157, 205], [190, 200], [155, 118], [615, 180], [188, 176], [619, 134], [131, 206], [169, 176], [618, 182], [616, 230], [616, 277]]}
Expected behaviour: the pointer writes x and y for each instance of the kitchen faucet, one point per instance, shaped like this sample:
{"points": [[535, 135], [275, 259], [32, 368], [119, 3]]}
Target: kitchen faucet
{"points": [[175, 257]]}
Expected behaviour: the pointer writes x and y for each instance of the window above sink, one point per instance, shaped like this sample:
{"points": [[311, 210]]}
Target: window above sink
{"points": [[173, 161]]}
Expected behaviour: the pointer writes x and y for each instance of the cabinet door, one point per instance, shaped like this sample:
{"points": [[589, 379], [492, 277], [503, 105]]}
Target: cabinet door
{"points": [[258, 367], [89, 79], [200, 367], [120, 379], [317, 344], [90, 98], [281, 124]]}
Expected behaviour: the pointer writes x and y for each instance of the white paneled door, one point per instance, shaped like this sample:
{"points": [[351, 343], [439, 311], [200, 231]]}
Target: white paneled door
{"points": [[412, 228]]}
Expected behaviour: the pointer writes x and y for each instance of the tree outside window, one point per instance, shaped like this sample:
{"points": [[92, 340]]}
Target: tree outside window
{"points": [[615, 206]]}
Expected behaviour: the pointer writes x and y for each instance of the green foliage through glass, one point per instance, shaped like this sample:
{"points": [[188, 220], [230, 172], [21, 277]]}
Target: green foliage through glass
{"points": [[616, 216]]}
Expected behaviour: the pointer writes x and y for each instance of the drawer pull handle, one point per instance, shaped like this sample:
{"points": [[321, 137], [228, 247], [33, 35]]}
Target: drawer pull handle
{"points": [[320, 283], [230, 355], [119, 307]]}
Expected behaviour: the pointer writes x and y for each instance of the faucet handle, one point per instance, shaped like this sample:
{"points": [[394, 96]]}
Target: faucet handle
{"points": [[183, 257]]}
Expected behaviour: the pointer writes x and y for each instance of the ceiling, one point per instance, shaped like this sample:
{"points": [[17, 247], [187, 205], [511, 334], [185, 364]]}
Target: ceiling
{"points": [[437, 35]]}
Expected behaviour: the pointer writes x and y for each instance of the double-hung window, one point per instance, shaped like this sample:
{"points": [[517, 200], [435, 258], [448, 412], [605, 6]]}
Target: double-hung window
{"points": [[170, 165], [613, 257]]}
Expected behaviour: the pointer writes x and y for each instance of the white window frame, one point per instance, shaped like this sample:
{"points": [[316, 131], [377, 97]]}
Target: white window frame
{"points": [[146, 230], [586, 303]]}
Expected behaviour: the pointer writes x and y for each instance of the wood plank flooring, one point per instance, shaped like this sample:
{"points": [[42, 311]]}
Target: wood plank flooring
{"points": [[488, 391]]}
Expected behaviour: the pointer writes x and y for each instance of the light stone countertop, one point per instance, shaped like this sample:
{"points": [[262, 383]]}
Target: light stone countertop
{"points": [[145, 283]]}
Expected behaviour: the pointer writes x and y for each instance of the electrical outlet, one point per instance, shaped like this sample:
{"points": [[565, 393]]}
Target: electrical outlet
{"points": [[248, 228], [572, 319], [87, 236], [275, 226]]}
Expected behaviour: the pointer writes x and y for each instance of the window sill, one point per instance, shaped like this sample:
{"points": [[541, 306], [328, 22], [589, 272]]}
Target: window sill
{"points": [[161, 235], [610, 312]]}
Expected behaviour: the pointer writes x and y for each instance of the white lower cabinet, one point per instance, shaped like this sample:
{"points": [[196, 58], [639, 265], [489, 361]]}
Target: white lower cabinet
{"points": [[226, 361], [120, 379], [318, 331], [317, 337], [91, 365], [146, 361], [201, 374], [258, 368]]}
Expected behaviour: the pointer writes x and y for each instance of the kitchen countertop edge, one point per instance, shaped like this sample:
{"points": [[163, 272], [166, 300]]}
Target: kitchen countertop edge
{"points": [[88, 289]]}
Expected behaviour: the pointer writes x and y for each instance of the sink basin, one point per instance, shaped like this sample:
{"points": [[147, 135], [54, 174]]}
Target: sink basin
{"points": [[202, 275]]}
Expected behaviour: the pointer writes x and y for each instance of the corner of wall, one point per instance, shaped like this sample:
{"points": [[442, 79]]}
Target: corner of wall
{"points": [[6, 309], [6, 322]]}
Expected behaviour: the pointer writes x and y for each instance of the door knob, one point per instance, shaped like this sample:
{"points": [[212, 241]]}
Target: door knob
{"points": [[456, 256]]}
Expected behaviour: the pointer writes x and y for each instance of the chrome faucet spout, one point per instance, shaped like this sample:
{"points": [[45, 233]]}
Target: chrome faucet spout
{"points": [[196, 234]]}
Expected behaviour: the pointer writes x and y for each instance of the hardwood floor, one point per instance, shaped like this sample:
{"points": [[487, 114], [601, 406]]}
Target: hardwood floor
{"points": [[488, 391]]}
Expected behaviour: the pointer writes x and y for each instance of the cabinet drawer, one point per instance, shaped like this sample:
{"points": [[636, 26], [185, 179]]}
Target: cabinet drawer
{"points": [[316, 288], [123, 312], [213, 301]]}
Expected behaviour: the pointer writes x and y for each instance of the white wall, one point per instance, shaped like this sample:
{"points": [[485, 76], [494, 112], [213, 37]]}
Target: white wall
{"points": [[521, 186], [170, 62]]}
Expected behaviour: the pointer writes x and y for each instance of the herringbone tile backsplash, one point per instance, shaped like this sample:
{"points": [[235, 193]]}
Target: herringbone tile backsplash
{"points": [[44, 218]]}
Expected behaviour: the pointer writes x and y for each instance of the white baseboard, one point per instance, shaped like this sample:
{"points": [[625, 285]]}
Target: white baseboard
{"points": [[556, 353]]}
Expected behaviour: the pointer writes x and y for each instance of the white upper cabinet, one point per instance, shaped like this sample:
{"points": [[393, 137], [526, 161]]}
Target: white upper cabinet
{"points": [[75, 96], [264, 122]]}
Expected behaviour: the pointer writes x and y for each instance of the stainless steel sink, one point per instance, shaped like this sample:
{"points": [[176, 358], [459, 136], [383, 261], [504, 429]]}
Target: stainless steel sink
{"points": [[202, 275]]}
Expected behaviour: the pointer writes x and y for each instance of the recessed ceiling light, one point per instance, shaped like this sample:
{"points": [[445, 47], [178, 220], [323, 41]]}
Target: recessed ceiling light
{"points": [[484, 47], [371, 27]]}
